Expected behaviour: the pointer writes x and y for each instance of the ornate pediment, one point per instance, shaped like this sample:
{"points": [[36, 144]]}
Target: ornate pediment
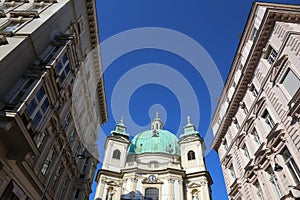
{"points": [[277, 68], [240, 139], [193, 185], [227, 159], [249, 123], [261, 156], [258, 105], [275, 137]]}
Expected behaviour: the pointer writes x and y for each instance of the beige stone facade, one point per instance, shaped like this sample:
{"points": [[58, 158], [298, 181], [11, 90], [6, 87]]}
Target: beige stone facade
{"points": [[47, 70], [154, 165], [256, 124]]}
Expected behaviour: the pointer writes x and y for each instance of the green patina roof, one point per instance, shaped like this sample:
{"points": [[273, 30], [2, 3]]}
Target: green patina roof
{"points": [[148, 142]]}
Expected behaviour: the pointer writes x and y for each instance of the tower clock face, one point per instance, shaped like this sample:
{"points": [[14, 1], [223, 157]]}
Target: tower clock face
{"points": [[152, 178]]}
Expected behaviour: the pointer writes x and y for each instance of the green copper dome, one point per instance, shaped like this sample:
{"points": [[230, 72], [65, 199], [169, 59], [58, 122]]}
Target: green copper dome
{"points": [[154, 141]]}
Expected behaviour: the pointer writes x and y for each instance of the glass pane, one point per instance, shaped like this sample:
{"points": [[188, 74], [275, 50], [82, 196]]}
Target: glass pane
{"points": [[37, 118], [31, 107], [36, 8], [40, 94], [64, 58], [59, 67], [11, 26], [291, 83], [67, 69], [45, 105]]}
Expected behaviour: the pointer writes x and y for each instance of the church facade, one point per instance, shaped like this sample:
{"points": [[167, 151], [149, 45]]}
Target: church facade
{"points": [[154, 165]]}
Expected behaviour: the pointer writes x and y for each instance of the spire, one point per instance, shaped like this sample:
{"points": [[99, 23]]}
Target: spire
{"points": [[120, 128], [122, 120], [157, 123], [188, 120], [189, 128]]}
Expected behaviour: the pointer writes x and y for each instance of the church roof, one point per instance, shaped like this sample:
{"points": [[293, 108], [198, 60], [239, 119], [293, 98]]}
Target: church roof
{"points": [[154, 141]]}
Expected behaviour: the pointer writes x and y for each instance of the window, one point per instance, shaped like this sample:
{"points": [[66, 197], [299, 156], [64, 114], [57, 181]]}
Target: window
{"points": [[256, 137], [48, 161], [271, 55], [237, 125], [117, 154], [291, 164], [153, 163], [259, 191], [255, 92], [290, 81], [56, 177], [63, 67], [232, 172], [38, 6], [40, 139], [64, 188], [268, 119], [274, 182], [245, 110], [191, 155], [38, 106], [67, 121], [77, 194], [225, 145], [11, 26], [246, 152], [253, 34], [6, 7]]}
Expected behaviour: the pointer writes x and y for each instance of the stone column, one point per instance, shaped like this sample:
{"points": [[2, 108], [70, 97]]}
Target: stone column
{"points": [[133, 184], [123, 191], [171, 189], [180, 188], [100, 189]]}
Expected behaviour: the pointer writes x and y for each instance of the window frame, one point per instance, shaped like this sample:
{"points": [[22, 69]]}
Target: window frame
{"points": [[38, 107], [285, 90], [271, 55], [21, 20], [273, 181], [191, 155], [268, 119], [44, 5], [48, 161], [116, 154], [291, 164]]}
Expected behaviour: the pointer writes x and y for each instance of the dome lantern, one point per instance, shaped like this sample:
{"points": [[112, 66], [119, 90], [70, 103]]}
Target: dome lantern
{"points": [[157, 123]]}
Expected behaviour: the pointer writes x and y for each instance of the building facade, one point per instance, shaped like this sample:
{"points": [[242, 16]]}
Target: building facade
{"points": [[52, 98], [154, 165], [256, 124]]}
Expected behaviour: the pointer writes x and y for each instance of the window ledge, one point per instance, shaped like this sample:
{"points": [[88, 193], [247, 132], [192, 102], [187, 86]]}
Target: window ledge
{"points": [[23, 13]]}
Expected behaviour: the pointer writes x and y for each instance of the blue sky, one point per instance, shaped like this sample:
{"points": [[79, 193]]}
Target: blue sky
{"points": [[180, 88]]}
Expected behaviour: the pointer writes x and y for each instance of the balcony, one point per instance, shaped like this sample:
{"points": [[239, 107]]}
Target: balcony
{"points": [[15, 136]]}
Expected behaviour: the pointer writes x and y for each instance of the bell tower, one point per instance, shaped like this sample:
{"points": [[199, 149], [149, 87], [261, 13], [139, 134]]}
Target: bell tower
{"points": [[116, 148], [198, 179]]}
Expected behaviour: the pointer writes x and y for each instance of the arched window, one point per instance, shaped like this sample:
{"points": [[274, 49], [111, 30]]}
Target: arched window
{"points": [[191, 155], [116, 154]]}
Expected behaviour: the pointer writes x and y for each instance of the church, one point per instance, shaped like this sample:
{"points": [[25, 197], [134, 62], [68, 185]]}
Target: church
{"points": [[154, 165]]}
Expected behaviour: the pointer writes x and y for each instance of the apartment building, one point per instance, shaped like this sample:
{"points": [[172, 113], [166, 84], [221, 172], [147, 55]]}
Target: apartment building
{"points": [[52, 98], [257, 121]]}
